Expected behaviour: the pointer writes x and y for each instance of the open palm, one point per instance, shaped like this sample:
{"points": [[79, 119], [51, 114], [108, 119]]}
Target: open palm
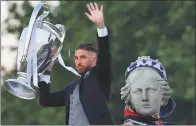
{"points": [[95, 15]]}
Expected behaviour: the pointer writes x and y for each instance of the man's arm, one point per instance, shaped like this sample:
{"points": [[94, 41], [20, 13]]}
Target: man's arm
{"points": [[46, 98], [104, 57], [103, 66]]}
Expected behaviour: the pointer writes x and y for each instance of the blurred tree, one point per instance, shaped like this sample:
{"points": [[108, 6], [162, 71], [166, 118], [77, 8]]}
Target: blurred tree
{"points": [[164, 30]]}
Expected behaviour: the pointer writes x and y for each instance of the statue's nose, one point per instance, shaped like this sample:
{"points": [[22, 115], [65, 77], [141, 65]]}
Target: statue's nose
{"points": [[144, 96]]}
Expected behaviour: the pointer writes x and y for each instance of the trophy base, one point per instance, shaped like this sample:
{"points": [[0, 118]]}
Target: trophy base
{"points": [[20, 88]]}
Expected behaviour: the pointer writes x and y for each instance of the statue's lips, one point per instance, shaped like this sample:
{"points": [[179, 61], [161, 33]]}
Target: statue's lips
{"points": [[145, 106]]}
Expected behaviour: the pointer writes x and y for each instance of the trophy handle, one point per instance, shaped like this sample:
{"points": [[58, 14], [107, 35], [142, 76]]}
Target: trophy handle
{"points": [[62, 30], [45, 12], [31, 24]]}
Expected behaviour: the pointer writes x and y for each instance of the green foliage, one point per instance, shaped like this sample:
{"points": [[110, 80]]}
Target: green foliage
{"points": [[164, 30]]}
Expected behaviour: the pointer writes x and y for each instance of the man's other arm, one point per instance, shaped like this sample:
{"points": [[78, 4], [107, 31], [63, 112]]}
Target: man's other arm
{"points": [[48, 99], [96, 16]]}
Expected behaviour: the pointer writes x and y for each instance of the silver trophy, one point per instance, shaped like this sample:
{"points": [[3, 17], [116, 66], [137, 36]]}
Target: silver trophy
{"points": [[39, 46]]}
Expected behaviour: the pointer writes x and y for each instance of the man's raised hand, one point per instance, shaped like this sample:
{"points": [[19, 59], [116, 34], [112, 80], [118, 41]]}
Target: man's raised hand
{"points": [[95, 14]]}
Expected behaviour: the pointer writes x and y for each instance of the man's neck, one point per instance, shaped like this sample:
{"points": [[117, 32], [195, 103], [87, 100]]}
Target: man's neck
{"points": [[84, 72]]}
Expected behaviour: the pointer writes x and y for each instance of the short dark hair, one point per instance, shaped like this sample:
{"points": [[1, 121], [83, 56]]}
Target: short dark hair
{"points": [[88, 46]]}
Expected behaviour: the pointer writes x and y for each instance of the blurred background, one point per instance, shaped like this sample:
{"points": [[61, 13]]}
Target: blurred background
{"points": [[163, 30]]}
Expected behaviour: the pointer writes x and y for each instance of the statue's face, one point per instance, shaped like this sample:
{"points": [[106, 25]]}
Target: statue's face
{"points": [[145, 93]]}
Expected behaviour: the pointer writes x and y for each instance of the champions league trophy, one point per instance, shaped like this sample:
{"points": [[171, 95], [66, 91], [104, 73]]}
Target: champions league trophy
{"points": [[39, 46]]}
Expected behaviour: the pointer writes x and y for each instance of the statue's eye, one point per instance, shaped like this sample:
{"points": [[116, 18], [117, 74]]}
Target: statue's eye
{"points": [[151, 90], [137, 91]]}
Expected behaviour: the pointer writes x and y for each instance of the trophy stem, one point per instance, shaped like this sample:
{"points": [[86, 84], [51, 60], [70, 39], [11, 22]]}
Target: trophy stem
{"points": [[19, 87]]}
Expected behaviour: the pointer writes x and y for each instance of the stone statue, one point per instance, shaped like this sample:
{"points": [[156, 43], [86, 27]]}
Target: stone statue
{"points": [[147, 93]]}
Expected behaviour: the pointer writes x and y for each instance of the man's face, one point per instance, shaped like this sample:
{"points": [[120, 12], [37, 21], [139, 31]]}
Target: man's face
{"points": [[84, 59], [146, 95]]}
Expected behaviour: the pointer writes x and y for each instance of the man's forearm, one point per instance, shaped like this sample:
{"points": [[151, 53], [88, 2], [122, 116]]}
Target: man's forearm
{"points": [[45, 97], [103, 42]]}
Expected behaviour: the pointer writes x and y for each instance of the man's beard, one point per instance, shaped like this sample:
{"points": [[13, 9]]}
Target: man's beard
{"points": [[81, 69]]}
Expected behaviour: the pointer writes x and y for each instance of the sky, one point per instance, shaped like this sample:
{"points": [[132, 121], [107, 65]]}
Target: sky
{"points": [[8, 57]]}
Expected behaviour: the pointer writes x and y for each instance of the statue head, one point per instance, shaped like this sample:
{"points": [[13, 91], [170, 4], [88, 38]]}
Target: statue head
{"points": [[145, 92], [146, 89]]}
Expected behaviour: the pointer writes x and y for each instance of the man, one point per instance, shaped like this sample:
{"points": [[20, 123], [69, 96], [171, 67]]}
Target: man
{"points": [[86, 98], [147, 93]]}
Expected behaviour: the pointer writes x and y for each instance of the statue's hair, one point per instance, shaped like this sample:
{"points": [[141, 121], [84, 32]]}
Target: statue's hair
{"points": [[148, 72]]}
